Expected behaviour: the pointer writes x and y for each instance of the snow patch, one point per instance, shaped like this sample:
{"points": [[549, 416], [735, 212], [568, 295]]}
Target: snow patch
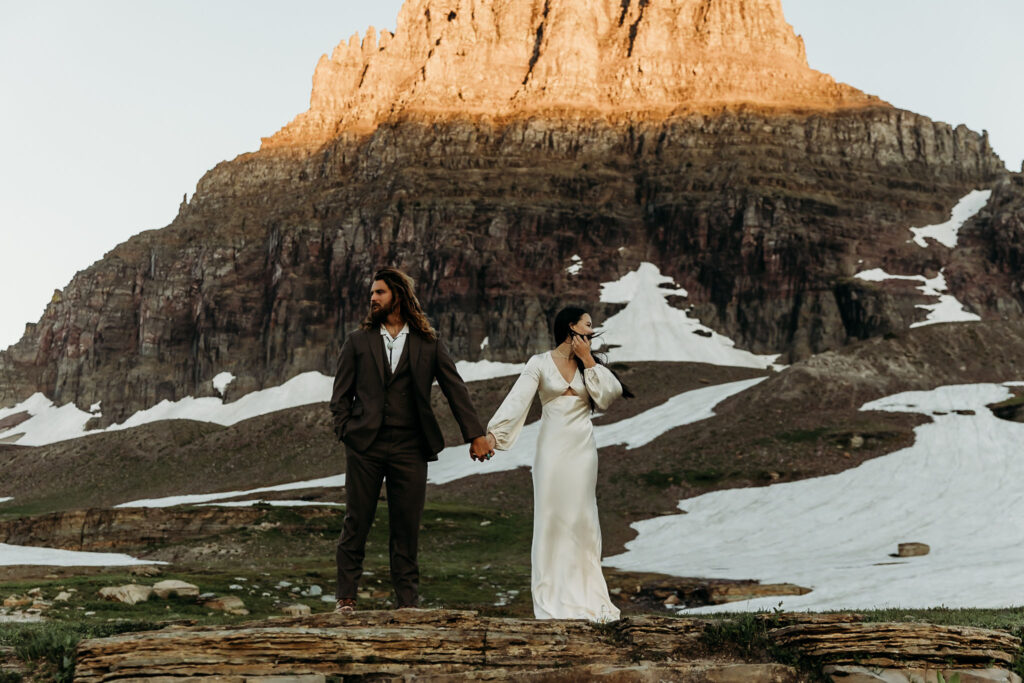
{"points": [[948, 233], [692, 406], [95, 408], [221, 382], [576, 266], [4, 500], [474, 371], [649, 329], [50, 423], [11, 555], [309, 387], [485, 343], [194, 499], [956, 489], [947, 310]]}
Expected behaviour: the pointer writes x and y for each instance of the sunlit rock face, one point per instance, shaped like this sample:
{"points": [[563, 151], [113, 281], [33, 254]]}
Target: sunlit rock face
{"points": [[506, 57], [512, 156]]}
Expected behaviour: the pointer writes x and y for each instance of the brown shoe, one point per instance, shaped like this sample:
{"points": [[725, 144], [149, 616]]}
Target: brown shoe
{"points": [[345, 606]]}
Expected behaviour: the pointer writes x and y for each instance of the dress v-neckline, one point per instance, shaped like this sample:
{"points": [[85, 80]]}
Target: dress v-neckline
{"points": [[568, 382]]}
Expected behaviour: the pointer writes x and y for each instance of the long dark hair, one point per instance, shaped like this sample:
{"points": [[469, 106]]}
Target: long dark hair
{"points": [[404, 289], [570, 315]]}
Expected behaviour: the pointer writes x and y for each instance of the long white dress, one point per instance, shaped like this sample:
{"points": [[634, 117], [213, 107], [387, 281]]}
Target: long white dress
{"points": [[566, 578]]}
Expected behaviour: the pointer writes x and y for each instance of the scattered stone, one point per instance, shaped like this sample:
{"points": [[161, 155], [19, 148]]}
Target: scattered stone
{"points": [[327, 598], [207, 596], [672, 600], [912, 549], [36, 592], [297, 610], [230, 604], [486, 522], [235, 587], [128, 594], [145, 570], [283, 584], [63, 596], [165, 589], [17, 601], [315, 591], [856, 441]]}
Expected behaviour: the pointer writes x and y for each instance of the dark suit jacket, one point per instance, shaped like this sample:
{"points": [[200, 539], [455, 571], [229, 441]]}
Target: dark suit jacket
{"points": [[359, 390]]}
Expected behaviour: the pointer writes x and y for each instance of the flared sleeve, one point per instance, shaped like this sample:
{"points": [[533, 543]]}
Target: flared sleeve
{"points": [[510, 417], [602, 386]]}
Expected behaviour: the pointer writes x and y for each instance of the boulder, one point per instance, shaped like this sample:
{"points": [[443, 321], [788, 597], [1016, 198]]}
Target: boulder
{"points": [[297, 610], [165, 589], [17, 601], [229, 603], [912, 549], [129, 594]]}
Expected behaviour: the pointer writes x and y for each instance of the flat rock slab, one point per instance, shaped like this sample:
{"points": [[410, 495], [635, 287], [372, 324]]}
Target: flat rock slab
{"points": [[448, 645], [432, 644], [898, 644], [861, 674]]}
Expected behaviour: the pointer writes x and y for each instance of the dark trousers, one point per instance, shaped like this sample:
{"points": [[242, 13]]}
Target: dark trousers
{"points": [[395, 457]]}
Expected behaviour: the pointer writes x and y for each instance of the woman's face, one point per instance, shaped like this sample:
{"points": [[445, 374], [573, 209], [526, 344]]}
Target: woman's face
{"points": [[584, 326]]}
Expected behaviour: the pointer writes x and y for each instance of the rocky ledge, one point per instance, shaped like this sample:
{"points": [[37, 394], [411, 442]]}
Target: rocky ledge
{"points": [[441, 645]]}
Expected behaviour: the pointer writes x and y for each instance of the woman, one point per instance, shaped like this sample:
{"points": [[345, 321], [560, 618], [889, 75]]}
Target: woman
{"points": [[566, 581]]}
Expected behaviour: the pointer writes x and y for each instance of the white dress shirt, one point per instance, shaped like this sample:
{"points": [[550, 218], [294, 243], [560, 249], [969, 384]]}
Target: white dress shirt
{"points": [[393, 345]]}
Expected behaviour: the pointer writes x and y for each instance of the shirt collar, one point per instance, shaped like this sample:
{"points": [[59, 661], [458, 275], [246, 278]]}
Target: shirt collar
{"points": [[384, 331]]}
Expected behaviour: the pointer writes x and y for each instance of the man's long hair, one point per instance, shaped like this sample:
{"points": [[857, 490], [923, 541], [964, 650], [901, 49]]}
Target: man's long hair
{"points": [[404, 290]]}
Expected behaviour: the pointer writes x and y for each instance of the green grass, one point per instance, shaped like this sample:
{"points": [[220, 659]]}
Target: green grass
{"points": [[470, 558]]}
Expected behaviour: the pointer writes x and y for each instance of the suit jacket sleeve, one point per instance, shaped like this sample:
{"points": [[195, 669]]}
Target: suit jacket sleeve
{"points": [[344, 386], [457, 394]]}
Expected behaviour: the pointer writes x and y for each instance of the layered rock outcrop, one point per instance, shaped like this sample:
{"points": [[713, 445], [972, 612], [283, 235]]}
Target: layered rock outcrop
{"points": [[481, 154], [505, 58]]}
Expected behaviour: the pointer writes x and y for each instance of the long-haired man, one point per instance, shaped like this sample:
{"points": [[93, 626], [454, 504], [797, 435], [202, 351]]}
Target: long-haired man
{"points": [[381, 407]]}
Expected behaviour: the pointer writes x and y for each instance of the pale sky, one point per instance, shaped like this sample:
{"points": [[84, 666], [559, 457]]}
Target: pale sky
{"points": [[111, 111]]}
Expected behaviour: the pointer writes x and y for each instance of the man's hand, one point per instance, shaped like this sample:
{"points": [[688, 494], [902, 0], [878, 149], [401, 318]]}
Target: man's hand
{"points": [[481, 449]]}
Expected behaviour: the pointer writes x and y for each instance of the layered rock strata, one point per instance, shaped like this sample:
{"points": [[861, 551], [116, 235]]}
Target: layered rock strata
{"points": [[482, 149], [504, 58], [443, 645]]}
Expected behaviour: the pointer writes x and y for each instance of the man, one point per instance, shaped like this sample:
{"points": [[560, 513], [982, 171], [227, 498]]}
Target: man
{"points": [[381, 407]]}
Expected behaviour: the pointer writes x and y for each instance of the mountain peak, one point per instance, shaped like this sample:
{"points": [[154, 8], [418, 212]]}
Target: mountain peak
{"points": [[508, 57]]}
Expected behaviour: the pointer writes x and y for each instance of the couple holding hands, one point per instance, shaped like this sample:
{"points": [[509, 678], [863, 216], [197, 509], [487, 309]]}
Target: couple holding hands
{"points": [[381, 408]]}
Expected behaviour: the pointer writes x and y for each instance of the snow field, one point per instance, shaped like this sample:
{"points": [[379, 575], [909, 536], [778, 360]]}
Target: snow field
{"points": [[956, 489]]}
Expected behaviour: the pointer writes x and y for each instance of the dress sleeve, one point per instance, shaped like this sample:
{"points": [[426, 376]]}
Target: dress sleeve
{"points": [[602, 385], [510, 417]]}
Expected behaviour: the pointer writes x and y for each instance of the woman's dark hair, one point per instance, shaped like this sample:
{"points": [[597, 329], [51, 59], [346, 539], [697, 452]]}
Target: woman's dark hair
{"points": [[570, 315]]}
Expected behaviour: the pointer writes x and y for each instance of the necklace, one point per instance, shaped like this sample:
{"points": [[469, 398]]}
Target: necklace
{"points": [[563, 355]]}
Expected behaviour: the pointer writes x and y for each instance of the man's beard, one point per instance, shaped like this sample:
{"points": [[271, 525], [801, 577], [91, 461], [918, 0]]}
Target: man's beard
{"points": [[378, 316]]}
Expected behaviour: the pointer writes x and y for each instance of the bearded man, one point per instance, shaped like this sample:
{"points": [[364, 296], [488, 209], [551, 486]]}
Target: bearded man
{"points": [[381, 407]]}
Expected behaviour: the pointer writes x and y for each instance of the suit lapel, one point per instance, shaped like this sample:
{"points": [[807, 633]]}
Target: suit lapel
{"points": [[377, 349]]}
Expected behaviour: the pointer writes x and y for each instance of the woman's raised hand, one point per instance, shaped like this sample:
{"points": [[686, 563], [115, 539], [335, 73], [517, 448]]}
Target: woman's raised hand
{"points": [[581, 347]]}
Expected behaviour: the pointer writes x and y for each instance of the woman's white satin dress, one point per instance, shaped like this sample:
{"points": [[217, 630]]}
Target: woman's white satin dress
{"points": [[566, 578]]}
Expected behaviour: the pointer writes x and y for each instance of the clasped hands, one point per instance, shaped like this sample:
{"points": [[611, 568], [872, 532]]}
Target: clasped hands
{"points": [[482, 448]]}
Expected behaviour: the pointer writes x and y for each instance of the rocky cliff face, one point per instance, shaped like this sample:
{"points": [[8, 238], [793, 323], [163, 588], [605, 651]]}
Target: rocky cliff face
{"points": [[480, 148], [500, 58]]}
